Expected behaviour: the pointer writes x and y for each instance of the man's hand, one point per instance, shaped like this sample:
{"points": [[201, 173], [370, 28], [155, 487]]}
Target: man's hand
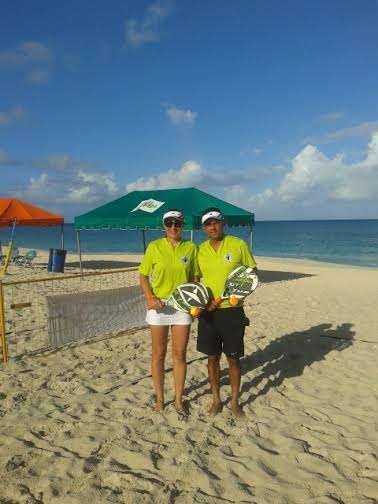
{"points": [[212, 306], [154, 303]]}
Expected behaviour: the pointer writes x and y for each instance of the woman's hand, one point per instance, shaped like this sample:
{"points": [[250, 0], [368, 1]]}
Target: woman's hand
{"points": [[213, 305], [154, 303]]}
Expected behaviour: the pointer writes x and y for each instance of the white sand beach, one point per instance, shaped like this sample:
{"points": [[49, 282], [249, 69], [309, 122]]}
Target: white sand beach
{"points": [[76, 426]]}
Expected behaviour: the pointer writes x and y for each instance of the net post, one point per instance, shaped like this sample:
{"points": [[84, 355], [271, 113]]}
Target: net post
{"points": [[192, 235], [144, 240], [2, 323], [62, 230], [250, 237], [79, 250]]}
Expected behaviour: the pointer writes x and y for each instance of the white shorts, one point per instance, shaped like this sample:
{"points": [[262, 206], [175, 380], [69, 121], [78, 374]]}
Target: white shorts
{"points": [[168, 316]]}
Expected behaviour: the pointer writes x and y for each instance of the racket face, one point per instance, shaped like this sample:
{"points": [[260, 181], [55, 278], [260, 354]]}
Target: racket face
{"points": [[241, 282], [177, 302], [194, 294], [188, 296]]}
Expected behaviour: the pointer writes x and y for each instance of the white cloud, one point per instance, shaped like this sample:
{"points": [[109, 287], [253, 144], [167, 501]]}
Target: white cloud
{"points": [[180, 116], [191, 174], [147, 29], [363, 130], [331, 116], [68, 184], [322, 183], [30, 51], [13, 117], [188, 175], [38, 76], [3, 157]]}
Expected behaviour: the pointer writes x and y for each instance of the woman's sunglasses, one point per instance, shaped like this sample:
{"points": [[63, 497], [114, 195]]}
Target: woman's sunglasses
{"points": [[176, 223]]}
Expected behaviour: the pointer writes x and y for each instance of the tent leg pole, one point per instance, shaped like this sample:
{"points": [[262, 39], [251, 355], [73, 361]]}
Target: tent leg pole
{"points": [[79, 251], [144, 240], [2, 324], [192, 235], [62, 229], [251, 239]]}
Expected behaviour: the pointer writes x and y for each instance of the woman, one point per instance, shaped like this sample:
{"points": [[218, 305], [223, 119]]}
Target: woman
{"points": [[172, 261]]}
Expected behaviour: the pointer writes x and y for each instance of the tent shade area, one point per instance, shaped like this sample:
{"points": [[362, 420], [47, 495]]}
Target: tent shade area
{"points": [[144, 210], [14, 212]]}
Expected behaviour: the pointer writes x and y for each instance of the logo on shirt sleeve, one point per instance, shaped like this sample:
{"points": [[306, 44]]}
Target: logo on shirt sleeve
{"points": [[184, 259], [228, 257]]}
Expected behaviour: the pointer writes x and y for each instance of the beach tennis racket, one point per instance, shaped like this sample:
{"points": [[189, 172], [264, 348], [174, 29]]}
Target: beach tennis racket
{"points": [[241, 282], [191, 297]]}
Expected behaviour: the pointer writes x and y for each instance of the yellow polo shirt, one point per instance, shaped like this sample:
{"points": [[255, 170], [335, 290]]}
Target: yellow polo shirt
{"points": [[169, 267], [216, 265]]}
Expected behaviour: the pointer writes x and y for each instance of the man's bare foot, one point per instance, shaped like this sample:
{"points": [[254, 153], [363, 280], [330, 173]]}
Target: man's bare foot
{"points": [[215, 408], [237, 411], [159, 406], [182, 407]]}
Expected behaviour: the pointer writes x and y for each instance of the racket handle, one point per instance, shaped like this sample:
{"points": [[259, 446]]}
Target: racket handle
{"points": [[218, 300]]}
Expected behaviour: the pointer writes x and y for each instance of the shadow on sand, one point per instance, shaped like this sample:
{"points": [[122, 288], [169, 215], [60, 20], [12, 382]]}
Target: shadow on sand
{"points": [[102, 264], [266, 276], [285, 357]]}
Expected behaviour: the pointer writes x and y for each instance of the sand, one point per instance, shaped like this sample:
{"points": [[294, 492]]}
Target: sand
{"points": [[77, 425]]}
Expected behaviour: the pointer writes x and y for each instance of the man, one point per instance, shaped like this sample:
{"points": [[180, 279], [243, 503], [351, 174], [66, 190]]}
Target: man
{"points": [[221, 328]]}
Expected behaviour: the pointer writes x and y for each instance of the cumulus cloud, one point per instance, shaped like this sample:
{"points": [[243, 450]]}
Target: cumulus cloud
{"points": [[180, 116], [13, 117], [331, 116], [30, 51], [317, 181], [3, 157], [68, 183], [146, 30], [189, 174], [38, 76], [363, 130]]}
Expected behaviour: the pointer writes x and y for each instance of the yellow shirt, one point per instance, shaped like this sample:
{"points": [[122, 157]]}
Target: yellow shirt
{"points": [[169, 267], [216, 265]]}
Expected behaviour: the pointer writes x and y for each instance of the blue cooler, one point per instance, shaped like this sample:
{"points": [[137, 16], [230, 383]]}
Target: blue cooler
{"points": [[57, 258]]}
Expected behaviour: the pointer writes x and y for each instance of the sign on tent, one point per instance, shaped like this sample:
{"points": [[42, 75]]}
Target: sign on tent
{"points": [[149, 205]]}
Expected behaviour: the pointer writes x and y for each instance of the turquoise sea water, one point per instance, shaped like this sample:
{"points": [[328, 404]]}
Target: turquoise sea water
{"points": [[353, 242]]}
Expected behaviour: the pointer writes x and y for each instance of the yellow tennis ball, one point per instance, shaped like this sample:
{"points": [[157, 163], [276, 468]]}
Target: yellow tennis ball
{"points": [[194, 312], [234, 300]]}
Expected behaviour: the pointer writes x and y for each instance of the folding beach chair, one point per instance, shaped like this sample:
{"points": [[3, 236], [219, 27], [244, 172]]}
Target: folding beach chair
{"points": [[27, 259], [12, 257]]}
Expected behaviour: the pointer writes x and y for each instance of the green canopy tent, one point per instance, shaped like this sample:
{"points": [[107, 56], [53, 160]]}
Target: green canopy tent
{"points": [[144, 210]]}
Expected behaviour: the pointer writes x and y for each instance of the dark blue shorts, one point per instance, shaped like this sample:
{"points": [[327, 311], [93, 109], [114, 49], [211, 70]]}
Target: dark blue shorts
{"points": [[222, 330]]}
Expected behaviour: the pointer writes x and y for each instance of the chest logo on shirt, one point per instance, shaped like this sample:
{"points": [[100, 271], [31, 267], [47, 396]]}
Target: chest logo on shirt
{"points": [[184, 259], [228, 257]]}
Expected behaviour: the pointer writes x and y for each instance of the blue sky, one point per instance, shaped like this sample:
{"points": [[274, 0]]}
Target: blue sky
{"points": [[270, 105]]}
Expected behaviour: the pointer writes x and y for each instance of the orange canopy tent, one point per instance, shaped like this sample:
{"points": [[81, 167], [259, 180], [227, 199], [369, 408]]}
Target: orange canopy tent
{"points": [[23, 214], [16, 212]]}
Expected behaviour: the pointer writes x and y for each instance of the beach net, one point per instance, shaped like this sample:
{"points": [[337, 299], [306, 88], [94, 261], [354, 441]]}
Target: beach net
{"points": [[43, 314]]}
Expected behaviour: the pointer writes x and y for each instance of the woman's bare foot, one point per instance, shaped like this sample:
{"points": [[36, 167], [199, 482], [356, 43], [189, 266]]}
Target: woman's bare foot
{"points": [[182, 407], [159, 406], [237, 411], [215, 408]]}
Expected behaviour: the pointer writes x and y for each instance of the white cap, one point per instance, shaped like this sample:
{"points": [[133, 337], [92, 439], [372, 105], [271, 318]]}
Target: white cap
{"points": [[212, 215], [174, 214]]}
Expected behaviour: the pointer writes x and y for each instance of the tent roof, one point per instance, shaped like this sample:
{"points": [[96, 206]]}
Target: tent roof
{"points": [[122, 213], [25, 214]]}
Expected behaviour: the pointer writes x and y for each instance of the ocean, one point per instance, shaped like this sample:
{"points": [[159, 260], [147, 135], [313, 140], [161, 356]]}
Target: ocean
{"points": [[350, 242]]}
